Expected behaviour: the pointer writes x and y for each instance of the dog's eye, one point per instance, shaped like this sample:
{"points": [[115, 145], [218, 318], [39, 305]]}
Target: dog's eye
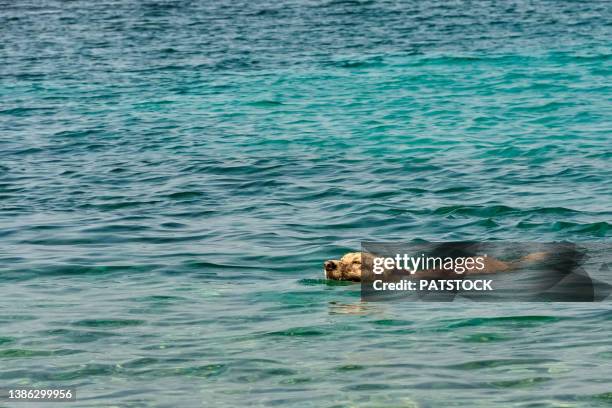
{"points": [[357, 262]]}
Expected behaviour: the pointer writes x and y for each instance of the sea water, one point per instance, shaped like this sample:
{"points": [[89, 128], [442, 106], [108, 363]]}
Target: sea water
{"points": [[174, 173]]}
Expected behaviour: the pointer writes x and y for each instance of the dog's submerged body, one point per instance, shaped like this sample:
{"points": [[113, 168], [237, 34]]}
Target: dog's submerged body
{"points": [[348, 268]]}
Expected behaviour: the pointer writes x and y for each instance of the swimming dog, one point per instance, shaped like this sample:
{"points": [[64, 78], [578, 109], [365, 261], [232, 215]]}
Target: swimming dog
{"points": [[348, 268]]}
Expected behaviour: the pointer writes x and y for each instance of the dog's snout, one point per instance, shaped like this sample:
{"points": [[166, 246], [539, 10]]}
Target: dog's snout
{"points": [[330, 266]]}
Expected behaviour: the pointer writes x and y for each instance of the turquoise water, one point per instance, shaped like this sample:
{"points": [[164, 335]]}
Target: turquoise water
{"points": [[173, 174]]}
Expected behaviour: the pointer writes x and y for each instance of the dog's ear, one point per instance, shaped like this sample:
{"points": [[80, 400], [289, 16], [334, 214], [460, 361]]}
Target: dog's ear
{"points": [[367, 262], [352, 272], [366, 258]]}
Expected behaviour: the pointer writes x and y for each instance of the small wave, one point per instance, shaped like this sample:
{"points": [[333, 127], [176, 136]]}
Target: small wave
{"points": [[599, 229], [367, 387], [108, 323], [518, 321], [347, 3], [604, 397], [521, 383], [23, 111], [480, 364], [298, 332], [497, 210], [486, 338], [28, 353], [185, 195], [480, 211], [6, 340], [367, 63], [77, 336], [265, 103]]}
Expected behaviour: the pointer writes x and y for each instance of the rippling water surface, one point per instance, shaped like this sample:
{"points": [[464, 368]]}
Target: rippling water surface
{"points": [[173, 174]]}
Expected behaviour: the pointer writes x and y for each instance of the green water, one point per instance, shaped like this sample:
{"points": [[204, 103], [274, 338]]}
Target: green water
{"points": [[174, 173]]}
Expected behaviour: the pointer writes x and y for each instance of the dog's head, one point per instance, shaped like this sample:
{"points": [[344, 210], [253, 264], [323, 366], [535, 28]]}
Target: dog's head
{"points": [[346, 268]]}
